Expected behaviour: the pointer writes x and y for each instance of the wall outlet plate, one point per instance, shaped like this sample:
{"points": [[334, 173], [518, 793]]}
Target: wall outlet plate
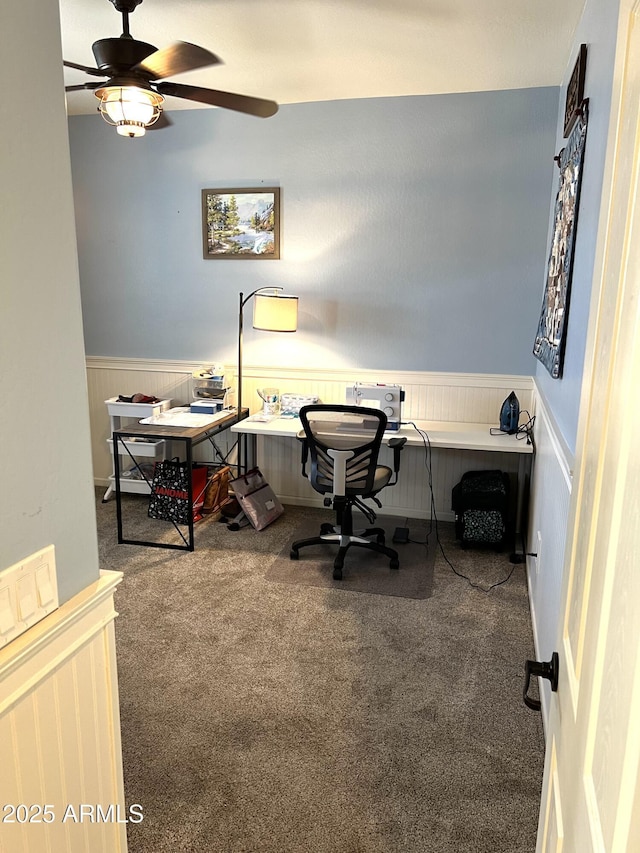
{"points": [[28, 593]]}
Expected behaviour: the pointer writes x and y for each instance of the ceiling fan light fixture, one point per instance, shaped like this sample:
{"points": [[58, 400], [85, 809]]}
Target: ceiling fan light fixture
{"points": [[130, 109]]}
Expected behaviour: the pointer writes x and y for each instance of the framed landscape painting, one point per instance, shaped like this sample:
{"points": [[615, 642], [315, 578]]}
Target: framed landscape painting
{"points": [[241, 223]]}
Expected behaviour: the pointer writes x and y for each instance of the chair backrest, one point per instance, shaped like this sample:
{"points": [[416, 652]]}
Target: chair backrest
{"points": [[344, 442]]}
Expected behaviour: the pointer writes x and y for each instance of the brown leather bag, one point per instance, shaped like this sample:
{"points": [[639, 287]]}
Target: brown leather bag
{"points": [[216, 493]]}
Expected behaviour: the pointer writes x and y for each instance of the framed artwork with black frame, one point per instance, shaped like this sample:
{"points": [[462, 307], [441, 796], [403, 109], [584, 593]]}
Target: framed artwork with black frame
{"points": [[241, 223], [575, 91], [549, 346]]}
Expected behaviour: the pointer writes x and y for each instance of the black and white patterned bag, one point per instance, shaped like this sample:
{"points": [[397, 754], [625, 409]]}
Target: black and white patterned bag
{"points": [[170, 491], [481, 502]]}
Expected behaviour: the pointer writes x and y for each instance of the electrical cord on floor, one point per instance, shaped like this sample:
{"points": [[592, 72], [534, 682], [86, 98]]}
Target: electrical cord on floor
{"points": [[433, 519]]}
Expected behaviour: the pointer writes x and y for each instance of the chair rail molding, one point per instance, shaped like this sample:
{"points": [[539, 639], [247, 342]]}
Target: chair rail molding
{"points": [[347, 375], [429, 395]]}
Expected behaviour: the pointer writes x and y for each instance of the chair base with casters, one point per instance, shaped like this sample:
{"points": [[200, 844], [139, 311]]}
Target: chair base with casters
{"points": [[344, 442], [343, 534]]}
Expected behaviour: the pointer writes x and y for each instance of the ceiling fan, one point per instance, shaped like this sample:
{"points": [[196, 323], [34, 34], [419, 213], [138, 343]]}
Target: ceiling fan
{"points": [[131, 97]]}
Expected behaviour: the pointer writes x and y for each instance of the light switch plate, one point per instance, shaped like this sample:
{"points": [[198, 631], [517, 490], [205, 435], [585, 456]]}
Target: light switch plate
{"points": [[28, 593]]}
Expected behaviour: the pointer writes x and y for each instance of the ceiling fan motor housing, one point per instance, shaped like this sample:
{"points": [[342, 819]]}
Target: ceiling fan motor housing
{"points": [[116, 54], [126, 5]]}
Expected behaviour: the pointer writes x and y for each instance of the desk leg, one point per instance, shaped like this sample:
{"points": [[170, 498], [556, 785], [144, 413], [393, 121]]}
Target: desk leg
{"points": [[250, 457], [189, 450], [518, 533], [250, 450], [116, 480]]}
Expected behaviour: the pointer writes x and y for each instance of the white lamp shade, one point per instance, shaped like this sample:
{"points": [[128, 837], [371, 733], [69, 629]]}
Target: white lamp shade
{"points": [[275, 313], [129, 108]]}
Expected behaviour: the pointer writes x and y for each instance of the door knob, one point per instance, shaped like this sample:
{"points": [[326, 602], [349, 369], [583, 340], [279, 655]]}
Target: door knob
{"points": [[548, 669]]}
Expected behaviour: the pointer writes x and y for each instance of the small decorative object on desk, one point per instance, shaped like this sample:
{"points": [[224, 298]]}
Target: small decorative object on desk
{"points": [[256, 498], [270, 401], [292, 403]]}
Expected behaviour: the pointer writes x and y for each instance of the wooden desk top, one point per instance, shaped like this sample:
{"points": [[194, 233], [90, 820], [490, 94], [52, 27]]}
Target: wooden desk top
{"points": [[195, 434], [450, 434]]}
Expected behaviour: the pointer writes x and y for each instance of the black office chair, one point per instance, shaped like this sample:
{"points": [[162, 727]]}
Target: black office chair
{"points": [[344, 442]]}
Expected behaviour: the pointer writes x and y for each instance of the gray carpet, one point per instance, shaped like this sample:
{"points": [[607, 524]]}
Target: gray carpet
{"points": [[287, 718], [363, 570]]}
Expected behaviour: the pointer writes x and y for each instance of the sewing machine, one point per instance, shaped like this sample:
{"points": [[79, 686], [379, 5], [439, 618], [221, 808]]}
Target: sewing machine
{"points": [[389, 398]]}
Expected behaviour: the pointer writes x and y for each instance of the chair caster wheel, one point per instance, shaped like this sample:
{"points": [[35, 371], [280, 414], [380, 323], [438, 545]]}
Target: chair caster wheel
{"points": [[325, 529], [380, 539], [337, 574], [394, 564], [293, 555]]}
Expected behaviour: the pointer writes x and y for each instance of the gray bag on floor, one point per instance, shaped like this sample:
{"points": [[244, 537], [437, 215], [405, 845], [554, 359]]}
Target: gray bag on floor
{"points": [[256, 498]]}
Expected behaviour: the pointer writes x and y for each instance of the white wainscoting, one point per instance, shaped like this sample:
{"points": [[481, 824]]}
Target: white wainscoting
{"points": [[60, 729], [472, 398], [548, 518]]}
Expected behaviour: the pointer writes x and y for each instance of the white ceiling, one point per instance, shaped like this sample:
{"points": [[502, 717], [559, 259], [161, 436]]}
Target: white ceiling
{"points": [[293, 51]]}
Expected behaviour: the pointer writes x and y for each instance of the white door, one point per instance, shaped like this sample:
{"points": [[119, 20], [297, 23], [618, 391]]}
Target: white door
{"points": [[591, 788]]}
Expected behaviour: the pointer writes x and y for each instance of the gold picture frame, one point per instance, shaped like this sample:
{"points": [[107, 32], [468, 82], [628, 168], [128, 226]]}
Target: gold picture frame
{"points": [[241, 223]]}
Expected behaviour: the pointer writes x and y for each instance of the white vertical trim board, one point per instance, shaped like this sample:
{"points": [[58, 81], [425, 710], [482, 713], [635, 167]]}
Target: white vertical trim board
{"points": [[550, 493], [60, 730]]}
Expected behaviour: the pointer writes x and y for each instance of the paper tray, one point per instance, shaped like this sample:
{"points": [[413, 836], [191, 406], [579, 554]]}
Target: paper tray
{"points": [[182, 418]]}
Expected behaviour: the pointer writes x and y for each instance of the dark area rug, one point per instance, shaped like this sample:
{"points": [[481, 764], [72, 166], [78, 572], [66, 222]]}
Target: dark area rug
{"points": [[364, 571]]}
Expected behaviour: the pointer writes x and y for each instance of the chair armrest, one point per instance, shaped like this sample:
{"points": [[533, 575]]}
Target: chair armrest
{"points": [[304, 454], [397, 445]]}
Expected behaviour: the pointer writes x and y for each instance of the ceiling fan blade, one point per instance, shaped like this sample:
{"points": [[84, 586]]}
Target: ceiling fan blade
{"points": [[82, 86], [175, 59], [95, 71], [228, 100]]}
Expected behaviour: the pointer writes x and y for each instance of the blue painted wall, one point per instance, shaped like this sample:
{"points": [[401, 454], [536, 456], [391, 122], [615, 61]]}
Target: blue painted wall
{"points": [[597, 29], [413, 229]]}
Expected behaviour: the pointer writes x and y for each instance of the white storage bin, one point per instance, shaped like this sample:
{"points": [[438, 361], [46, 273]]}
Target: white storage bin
{"points": [[136, 410], [139, 448]]}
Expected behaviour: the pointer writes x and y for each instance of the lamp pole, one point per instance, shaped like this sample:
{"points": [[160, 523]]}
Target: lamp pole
{"points": [[243, 302]]}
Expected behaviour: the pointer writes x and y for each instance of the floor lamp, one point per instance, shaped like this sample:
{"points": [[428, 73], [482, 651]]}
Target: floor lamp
{"points": [[272, 312]]}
